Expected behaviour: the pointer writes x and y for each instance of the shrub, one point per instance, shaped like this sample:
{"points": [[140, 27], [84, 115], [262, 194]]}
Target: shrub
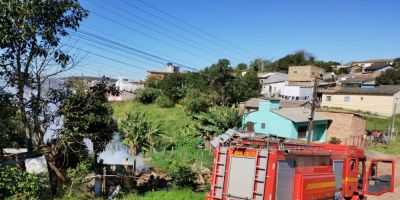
{"points": [[182, 175], [147, 95], [164, 102], [18, 184], [334, 140], [195, 102]]}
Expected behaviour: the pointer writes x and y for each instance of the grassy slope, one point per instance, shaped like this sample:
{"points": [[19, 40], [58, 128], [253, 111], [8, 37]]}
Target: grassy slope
{"points": [[170, 119], [168, 195], [380, 123]]}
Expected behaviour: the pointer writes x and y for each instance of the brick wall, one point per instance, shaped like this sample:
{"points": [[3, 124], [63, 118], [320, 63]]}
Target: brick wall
{"points": [[344, 125]]}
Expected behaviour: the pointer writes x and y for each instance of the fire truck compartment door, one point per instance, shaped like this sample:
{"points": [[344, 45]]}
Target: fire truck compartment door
{"points": [[380, 177], [285, 182], [241, 177]]}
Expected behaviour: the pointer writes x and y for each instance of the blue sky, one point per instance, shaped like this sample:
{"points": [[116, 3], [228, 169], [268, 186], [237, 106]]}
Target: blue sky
{"points": [[339, 30]]}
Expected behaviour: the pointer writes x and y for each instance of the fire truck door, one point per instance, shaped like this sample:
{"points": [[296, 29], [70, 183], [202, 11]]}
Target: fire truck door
{"points": [[285, 180], [380, 177]]}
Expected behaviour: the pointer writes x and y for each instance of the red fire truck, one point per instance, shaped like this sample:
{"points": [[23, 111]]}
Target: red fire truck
{"points": [[265, 170]]}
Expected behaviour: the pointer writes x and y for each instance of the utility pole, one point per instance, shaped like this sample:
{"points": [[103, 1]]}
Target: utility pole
{"points": [[311, 116], [393, 118]]}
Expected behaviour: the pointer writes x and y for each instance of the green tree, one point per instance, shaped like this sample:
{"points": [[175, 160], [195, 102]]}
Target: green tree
{"points": [[195, 101], [147, 95], [87, 115], [396, 63], [139, 134], [215, 121], [31, 53], [248, 87], [260, 65], [173, 85], [389, 77], [9, 124]]}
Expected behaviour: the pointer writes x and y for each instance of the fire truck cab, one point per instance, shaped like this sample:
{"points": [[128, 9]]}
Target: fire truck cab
{"points": [[263, 170]]}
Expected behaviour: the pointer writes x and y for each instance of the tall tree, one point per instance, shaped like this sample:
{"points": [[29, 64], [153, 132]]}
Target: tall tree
{"points": [[87, 114], [31, 32]]}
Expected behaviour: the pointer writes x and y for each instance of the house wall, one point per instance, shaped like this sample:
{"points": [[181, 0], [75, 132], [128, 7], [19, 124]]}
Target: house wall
{"points": [[291, 92], [319, 130], [381, 105], [344, 125], [276, 88], [278, 125], [304, 73]]}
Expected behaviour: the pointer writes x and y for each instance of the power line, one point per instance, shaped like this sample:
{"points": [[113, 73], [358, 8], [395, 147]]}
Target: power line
{"points": [[131, 43], [204, 47], [186, 30], [196, 28], [114, 47], [152, 37], [132, 49]]}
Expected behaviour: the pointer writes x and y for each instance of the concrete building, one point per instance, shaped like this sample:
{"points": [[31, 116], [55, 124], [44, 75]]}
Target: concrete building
{"points": [[345, 126], [169, 69], [123, 84], [380, 100], [284, 122], [304, 73], [374, 62], [272, 84]]}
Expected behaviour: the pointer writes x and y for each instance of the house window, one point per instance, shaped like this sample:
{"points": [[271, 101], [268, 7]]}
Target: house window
{"points": [[346, 99], [263, 125], [361, 98], [294, 71], [328, 98], [302, 132]]}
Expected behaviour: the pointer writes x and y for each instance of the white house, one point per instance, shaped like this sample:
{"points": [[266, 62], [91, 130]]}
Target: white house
{"points": [[297, 92], [272, 83], [123, 84]]}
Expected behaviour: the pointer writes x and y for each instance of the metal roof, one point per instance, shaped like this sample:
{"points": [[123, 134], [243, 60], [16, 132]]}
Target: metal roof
{"points": [[299, 114], [377, 67], [375, 60], [386, 90], [276, 78]]}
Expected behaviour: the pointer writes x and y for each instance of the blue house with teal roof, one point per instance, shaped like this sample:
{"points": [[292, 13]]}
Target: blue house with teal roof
{"points": [[284, 122]]}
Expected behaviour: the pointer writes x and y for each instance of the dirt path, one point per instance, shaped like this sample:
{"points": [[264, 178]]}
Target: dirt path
{"points": [[388, 196]]}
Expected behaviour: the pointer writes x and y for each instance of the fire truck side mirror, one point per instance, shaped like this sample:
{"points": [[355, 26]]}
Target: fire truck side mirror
{"points": [[380, 177]]}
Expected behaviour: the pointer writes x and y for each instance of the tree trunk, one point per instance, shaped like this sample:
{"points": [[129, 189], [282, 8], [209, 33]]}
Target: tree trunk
{"points": [[24, 119], [57, 171]]}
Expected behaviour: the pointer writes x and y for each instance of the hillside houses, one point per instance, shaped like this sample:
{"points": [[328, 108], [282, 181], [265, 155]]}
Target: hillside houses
{"points": [[290, 122], [296, 85], [379, 100]]}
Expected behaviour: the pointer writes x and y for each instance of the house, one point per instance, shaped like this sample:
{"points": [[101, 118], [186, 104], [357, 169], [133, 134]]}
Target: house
{"points": [[378, 68], [123, 84], [253, 104], [304, 73], [169, 69], [300, 84], [379, 100], [345, 126], [374, 62], [272, 83], [284, 122]]}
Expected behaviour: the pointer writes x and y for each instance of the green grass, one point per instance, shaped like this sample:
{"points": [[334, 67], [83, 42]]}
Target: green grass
{"points": [[171, 120], [392, 148], [168, 195]]}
